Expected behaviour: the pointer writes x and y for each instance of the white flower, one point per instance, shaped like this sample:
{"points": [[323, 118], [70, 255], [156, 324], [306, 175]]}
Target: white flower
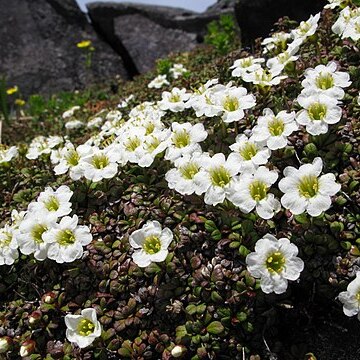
{"points": [[174, 100], [16, 218], [276, 42], [263, 77], [186, 177], [278, 63], [101, 163], [319, 111], [66, 240], [74, 124], [158, 82], [31, 231], [114, 115], [6, 154], [52, 202], [325, 80], [177, 70], [184, 139], [274, 130], [69, 113], [42, 145], [232, 102], [202, 99], [251, 191], [274, 262], [95, 122], [352, 30], [306, 28], [351, 297], [345, 20], [249, 153], [305, 190], [83, 329], [70, 160], [332, 4], [219, 177], [125, 103], [8, 245], [246, 65], [150, 243]]}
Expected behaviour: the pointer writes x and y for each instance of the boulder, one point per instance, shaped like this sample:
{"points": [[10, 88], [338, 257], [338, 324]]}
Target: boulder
{"points": [[257, 17], [144, 33], [38, 47]]}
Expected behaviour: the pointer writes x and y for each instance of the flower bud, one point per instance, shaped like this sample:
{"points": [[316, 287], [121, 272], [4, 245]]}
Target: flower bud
{"points": [[49, 298], [35, 317], [27, 348], [5, 344], [178, 351]]}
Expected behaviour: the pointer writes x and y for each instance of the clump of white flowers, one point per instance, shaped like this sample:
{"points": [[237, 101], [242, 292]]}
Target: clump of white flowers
{"points": [[150, 243], [83, 329], [274, 262], [305, 190]]}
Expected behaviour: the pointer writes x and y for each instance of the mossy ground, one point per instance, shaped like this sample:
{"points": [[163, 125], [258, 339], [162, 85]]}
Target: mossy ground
{"points": [[201, 296]]}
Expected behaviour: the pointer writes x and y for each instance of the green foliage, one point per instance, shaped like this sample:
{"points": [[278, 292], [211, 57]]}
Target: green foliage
{"points": [[221, 34], [163, 66]]}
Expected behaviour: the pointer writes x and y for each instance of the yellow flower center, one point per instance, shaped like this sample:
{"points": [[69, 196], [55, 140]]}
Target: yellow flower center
{"points": [[65, 237], [83, 44], [52, 204], [72, 157], [263, 76], [174, 98], [248, 151], [152, 144], [85, 327], [189, 170], [132, 144], [246, 62], [258, 190], [220, 176], [317, 111], [149, 128], [37, 231], [231, 103], [7, 237], [152, 245], [275, 262], [276, 126], [324, 81], [181, 138], [308, 186], [100, 161]]}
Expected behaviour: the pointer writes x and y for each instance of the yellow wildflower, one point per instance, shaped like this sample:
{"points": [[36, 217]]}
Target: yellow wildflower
{"points": [[83, 44], [12, 90], [20, 102]]}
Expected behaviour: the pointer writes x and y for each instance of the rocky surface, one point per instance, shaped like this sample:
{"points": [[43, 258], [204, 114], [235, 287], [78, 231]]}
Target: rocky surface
{"points": [[257, 17], [38, 47], [143, 33]]}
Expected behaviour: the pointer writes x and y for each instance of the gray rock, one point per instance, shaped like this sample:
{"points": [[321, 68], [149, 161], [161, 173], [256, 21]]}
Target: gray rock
{"points": [[143, 33], [257, 17], [147, 41], [38, 47]]}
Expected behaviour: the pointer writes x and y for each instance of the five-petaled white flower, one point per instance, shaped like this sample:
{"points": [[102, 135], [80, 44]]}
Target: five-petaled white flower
{"points": [[351, 297], [274, 262], [252, 191], [174, 100], [305, 190], [56, 203], [274, 130], [8, 245], [319, 111], [151, 243], [66, 240], [83, 329]]}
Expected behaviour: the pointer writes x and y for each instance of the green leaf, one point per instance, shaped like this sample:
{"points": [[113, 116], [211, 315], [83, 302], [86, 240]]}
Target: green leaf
{"points": [[216, 328]]}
